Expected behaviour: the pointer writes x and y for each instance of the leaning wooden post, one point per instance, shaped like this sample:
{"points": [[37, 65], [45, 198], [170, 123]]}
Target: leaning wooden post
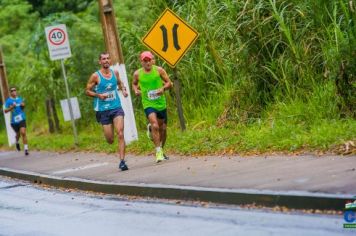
{"points": [[3, 84]]}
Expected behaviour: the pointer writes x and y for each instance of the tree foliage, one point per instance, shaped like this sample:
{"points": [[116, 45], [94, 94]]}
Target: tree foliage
{"points": [[254, 59], [47, 7]]}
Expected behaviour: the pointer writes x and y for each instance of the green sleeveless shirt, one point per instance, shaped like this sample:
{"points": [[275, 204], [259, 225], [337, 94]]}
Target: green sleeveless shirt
{"points": [[149, 83]]}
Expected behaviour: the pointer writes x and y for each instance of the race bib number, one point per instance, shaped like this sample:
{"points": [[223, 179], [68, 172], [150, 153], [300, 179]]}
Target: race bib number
{"points": [[110, 96], [18, 118], [152, 95]]}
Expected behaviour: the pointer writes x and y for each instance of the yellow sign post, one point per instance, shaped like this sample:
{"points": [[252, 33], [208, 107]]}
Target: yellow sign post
{"points": [[170, 37]]}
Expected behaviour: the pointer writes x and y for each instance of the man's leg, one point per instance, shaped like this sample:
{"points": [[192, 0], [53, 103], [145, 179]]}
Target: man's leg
{"points": [[108, 133], [23, 135], [119, 127], [16, 129], [162, 131], [152, 118], [24, 139], [104, 119], [17, 136], [163, 135], [155, 129]]}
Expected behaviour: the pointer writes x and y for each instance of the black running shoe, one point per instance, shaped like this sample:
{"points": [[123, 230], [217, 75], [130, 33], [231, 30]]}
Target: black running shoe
{"points": [[123, 165], [26, 152], [18, 147], [165, 157]]}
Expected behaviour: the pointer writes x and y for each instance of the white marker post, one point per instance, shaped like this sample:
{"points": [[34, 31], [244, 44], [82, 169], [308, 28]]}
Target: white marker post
{"points": [[11, 135], [59, 48], [130, 131]]}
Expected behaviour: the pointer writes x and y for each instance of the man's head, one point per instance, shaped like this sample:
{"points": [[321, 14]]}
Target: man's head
{"points": [[146, 55], [104, 60], [147, 60], [13, 92]]}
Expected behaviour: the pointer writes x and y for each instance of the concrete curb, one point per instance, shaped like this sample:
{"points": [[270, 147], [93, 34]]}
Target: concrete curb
{"points": [[294, 200]]}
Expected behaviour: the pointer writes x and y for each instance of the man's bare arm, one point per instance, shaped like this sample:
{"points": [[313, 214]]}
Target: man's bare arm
{"points": [[93, 80], [135, 84], [10, 108], [121, 84], [167, 82]]}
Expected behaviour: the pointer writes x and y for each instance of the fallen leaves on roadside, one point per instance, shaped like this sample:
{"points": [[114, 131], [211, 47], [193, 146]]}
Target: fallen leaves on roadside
{"points": [[347, 148]]}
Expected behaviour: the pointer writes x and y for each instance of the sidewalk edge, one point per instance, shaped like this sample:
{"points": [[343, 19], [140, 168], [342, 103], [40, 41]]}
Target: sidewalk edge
{"points": [[317, 202]]}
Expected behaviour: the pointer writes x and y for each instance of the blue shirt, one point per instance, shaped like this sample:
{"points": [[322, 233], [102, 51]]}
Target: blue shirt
{"points": [[17, 114], [108, 86]]}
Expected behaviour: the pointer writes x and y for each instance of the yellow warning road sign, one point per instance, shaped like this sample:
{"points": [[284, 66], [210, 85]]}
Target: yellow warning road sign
{"points": [[170, 37]]}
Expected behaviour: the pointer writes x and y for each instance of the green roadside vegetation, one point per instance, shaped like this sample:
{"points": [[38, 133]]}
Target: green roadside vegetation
{"points": [[268, 137], [264, 75]]}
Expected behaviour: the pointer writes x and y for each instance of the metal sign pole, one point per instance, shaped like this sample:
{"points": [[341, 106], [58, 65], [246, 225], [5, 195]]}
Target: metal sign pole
{"points": [[69, 104]]}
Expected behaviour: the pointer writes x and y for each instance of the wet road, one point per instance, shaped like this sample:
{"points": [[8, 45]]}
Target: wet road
{"points": [[29, 210]]}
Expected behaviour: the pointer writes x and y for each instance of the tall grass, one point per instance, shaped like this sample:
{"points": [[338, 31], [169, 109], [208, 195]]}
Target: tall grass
{"points": [[253, 54], [274, 69]]}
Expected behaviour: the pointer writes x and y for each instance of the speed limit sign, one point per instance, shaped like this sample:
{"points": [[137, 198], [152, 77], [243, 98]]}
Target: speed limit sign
{"points": [[58, 42]]}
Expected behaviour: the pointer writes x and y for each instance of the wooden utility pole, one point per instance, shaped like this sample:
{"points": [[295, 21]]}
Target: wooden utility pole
{"points": [[3, 80], [113, 47], [111, 34]]}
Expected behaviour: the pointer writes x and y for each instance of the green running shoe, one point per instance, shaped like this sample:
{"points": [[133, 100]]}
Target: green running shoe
{"points": [[159, 156]]}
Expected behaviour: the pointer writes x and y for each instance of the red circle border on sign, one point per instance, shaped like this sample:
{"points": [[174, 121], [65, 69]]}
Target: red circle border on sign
{"points": [[64, 36]]}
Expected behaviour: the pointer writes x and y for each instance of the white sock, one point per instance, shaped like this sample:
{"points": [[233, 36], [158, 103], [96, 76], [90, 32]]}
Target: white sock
{"points": [[158, 149], [25, 147]]}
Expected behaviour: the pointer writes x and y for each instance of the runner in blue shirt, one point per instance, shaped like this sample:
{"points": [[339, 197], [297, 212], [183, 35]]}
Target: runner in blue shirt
{"points": [[103, 85], [16, 105]]}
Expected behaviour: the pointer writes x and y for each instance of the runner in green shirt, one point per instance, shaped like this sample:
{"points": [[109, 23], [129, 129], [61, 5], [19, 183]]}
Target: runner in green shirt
{"points": [[150, 82]]}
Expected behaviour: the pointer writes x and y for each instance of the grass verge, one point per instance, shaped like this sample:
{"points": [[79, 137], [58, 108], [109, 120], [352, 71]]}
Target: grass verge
{"points": [[261, 137]]}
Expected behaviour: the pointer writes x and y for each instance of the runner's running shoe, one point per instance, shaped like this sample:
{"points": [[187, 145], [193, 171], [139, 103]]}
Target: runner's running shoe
{"points": [[123, 165], [159, 156]]}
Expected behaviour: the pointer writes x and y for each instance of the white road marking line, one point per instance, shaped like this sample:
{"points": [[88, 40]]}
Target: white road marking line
{"points": [[80, 168]]}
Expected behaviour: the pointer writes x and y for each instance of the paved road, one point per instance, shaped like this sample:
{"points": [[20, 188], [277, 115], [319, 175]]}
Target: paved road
{"points": [[28, 210]]}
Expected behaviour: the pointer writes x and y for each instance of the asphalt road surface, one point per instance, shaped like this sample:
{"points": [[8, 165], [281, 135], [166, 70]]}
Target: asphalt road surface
{"points": [[33, 211]]}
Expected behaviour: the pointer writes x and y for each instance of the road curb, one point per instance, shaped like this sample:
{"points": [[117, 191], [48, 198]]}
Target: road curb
{"points": [[222, 196]]}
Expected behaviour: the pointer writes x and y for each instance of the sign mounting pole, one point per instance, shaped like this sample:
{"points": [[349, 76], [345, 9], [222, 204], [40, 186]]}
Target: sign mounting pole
{"points": [[177, 86], [69, 104]]}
